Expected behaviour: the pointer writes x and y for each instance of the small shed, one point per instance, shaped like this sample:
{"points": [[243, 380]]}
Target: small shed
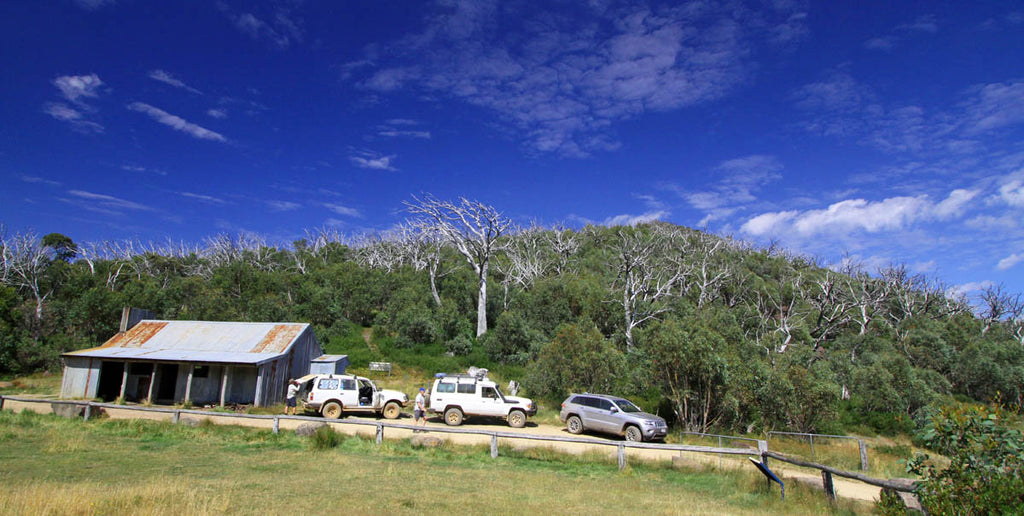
{"points": [[329, 364], [198, 361]]}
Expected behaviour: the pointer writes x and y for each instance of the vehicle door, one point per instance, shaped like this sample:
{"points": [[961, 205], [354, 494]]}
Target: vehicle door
{"points": [[585, 408], [491, 402], [605, 419], [349, 392]]}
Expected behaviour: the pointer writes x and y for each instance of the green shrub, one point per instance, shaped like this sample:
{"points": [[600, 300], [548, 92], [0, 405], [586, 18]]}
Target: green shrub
{"points": [[325, 438], [459, 346]]}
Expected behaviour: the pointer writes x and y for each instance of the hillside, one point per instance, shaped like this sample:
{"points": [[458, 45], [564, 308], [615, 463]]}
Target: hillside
{"points": [[706, 330]]}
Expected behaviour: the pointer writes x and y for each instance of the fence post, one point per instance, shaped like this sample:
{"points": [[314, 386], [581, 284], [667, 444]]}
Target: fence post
{"points": [[812, 447], [177, 416], [277, 424], [719, 455], [1, 402], [622, 457], [863, 455], [380, 434], [88, 411], [494, 446], [830, 490]]}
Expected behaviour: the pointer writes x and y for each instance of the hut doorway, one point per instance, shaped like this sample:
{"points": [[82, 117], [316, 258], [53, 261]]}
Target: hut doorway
{"points": [[111, 376], [167, 375]]}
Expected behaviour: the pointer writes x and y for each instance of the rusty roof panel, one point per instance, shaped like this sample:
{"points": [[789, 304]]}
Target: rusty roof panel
{"points": [[278, 339], [189, 340]]}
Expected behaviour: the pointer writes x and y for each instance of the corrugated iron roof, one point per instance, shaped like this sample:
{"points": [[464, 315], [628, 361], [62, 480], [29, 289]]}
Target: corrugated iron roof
{"points": [[206, 341]]}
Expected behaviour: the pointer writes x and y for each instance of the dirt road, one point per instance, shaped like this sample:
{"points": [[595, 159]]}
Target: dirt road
{"points": [[601, 444]]}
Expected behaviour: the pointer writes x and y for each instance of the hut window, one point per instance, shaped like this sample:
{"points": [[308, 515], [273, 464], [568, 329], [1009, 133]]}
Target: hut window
{"points": [[202, 371]]}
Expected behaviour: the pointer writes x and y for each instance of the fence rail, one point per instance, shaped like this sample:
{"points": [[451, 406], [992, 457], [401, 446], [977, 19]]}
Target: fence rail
{"points": [[176, 413], [762, 451], [860, 443]]}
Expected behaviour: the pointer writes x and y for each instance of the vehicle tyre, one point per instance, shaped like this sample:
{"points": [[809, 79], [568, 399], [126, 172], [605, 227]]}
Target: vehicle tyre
{"points": [[331, 410], [392, 410], [574, 425], [516, 419], [453, 416], [633, 434]]}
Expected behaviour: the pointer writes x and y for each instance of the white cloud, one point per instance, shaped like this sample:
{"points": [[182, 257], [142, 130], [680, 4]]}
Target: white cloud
{"points": [[966, 288], [739, 180], [892, 214], [167, 78], [35, 179], [65, 113], [74, 87], [204, 198], [632, 220], [176, 122], [342, 210], [283, 205], [994, 106], [92, 5], [561, 83], [392, 133], [217, 113], [108, 202], [373, 162], [282, 29], [1010, 261]]}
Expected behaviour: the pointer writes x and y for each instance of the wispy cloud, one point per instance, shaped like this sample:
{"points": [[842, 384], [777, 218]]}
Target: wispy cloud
{"points": [[40, 180], [167, 78], [739, 182], [342, 210], [217, 113], [176, 122], [106, 203], [283, 205], [137, 168], [561, 83], [281, 27], [76, 89], [632, 220], [209, 199], [1010, 261], [373, 161], [92, 5], [924, 24], [73, 117]]}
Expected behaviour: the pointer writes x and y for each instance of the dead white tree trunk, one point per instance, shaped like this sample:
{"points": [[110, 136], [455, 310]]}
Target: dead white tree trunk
{"points": [[646, 278], [474, 229]]}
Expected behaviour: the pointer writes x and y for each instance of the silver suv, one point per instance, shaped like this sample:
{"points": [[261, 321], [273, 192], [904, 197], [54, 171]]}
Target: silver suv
{"points": [[610, 415]]}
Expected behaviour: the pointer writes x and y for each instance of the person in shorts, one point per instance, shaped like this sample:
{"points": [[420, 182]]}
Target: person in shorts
{"points": [[293, 392], [419, 412]]}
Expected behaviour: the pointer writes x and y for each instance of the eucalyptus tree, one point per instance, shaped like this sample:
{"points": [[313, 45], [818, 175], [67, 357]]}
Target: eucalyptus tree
{"points": [[649, 270], [474, 229]]}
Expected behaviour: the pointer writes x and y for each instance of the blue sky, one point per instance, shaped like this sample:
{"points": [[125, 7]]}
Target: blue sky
{"points": [[884, 131]]}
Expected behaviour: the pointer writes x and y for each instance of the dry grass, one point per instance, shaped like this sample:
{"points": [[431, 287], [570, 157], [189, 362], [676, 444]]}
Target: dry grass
{"points": [[146, 467]]}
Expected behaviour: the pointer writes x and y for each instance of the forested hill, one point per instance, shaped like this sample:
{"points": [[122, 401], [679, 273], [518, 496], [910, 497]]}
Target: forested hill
{"points": [[713, 331]]}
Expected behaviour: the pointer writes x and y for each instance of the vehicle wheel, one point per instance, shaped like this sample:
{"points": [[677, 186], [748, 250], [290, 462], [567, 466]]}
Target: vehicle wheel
{"points": [[453, 416], [574, 425], [516, 419], [392, 410], [331, 410], [633, 434]]}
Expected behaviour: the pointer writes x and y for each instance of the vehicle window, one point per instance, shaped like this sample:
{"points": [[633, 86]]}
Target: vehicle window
{"points": [[587, 401], [446, 387], [604, 404], [328, 383], [348, 384], [467, 388], [488, 392], [627, 406]]}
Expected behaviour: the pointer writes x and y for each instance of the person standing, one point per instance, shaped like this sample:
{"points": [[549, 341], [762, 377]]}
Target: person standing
{"points": [[293, 392], [419, 411]]}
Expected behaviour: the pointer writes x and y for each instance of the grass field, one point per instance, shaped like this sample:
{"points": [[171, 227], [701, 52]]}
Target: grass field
{"points": [[50, 465]]}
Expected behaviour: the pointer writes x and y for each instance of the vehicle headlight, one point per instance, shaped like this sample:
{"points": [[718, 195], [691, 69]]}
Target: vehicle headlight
{"points": [[650, 422]]}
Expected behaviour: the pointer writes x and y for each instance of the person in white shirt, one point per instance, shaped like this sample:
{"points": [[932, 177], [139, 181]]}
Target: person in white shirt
{"points": [[293, 392], [419, 412]]}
